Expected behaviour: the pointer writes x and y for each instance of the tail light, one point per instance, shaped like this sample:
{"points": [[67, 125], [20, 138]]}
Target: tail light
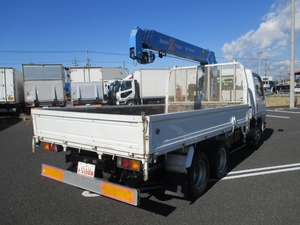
{"points": [[129, 164], [52, 147]]}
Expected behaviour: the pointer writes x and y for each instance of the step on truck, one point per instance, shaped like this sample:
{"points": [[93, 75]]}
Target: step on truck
{"points": [[121, 151]]}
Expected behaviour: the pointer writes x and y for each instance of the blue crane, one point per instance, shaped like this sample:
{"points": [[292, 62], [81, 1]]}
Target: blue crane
{"points": [[141, 40]]}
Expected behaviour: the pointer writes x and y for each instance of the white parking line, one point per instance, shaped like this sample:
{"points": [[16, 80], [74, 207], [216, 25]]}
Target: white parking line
{"points": [[279, 111], [265, 168], [262, 171], [282, 117]]}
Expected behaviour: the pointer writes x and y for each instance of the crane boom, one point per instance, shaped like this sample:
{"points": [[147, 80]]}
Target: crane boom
{"points": [[140, 40]]}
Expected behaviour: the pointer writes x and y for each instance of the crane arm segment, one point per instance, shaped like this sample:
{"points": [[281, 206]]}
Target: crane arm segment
{"points": [[141, 40]]}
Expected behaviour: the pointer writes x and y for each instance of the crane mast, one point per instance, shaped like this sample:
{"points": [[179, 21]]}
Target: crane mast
{"points": [[142, 40]]}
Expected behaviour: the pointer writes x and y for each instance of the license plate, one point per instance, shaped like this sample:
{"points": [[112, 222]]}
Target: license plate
{"points": [[86, 169]]}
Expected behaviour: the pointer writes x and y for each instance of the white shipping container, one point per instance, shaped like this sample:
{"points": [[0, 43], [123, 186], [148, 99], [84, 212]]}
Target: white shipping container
{"points": [[152, 82], [83, 93], [44, 85], [89, 85], [11, 86], [91, 74]]}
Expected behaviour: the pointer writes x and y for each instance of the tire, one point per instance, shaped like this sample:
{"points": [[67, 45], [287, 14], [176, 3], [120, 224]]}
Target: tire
{"points": [[219, 159], [198, 175], [257, 138], [131, 102]]}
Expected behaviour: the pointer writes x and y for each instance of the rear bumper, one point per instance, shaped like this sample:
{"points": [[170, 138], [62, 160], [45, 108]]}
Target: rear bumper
{"points": [[96, 185]]}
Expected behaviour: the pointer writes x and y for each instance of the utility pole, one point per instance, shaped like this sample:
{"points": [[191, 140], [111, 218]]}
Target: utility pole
{"points": [[75, 62], [267, 75], [87, 58], [292, 72], [259, 53], [279, 75]]}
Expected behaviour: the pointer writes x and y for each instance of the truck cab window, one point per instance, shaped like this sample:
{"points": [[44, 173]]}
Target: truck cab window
{"points": [[126, 85], [258, 86]]}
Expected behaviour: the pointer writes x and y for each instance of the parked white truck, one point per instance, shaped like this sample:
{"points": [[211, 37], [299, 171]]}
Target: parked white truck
{"points": [[89, 85], [118, 151], [145, 86], [44, 85], [11, 90]]}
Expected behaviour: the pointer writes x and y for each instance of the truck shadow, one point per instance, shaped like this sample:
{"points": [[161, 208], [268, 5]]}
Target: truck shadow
{"points": [[6, 122], [237, 157], [159, 206], [9, 118]]}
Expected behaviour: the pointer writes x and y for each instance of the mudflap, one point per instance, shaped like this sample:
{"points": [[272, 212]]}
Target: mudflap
{"points": [[175, 184]]}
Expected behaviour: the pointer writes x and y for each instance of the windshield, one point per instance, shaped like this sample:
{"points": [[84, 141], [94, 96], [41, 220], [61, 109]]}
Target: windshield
{"points": [[114, 86]]}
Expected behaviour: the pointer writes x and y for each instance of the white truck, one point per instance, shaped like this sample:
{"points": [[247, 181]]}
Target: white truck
{"points": [[119, 151], [44, 85], [146, 86], [11, 90], [89, 85]]}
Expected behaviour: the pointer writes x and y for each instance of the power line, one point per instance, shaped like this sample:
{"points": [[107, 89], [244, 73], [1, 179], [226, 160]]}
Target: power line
{"points": [[109, 53], [10, 51], [76, 51]]}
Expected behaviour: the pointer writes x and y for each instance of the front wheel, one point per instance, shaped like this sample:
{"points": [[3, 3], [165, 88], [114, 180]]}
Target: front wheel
{"points": [[131, 102], [198, 175], [257, 138]]}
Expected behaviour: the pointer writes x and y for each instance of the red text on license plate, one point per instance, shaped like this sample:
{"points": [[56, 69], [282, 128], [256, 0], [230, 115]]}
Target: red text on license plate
{"points": [[86, 169]]}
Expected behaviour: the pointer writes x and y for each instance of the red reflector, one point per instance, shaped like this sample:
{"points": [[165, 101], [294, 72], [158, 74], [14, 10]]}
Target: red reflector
{"points": [[126, 163]]}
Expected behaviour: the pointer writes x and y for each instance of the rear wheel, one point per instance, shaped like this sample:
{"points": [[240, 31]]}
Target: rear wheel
{"points": [[219, 159], [198, 175]]}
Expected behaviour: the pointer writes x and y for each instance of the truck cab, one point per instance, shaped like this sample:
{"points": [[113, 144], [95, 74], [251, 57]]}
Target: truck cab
{"points": [[129, 93], [143, 86], [123, 92], [257, 104]]}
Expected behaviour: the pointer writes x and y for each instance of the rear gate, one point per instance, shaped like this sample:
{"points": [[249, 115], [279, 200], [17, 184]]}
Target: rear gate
{"points": [[7, 93], [10, 93], [2, 86]]}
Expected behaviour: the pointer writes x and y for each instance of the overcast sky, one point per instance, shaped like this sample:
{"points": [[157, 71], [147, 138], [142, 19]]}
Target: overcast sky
{"points": [[56, 31]]}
